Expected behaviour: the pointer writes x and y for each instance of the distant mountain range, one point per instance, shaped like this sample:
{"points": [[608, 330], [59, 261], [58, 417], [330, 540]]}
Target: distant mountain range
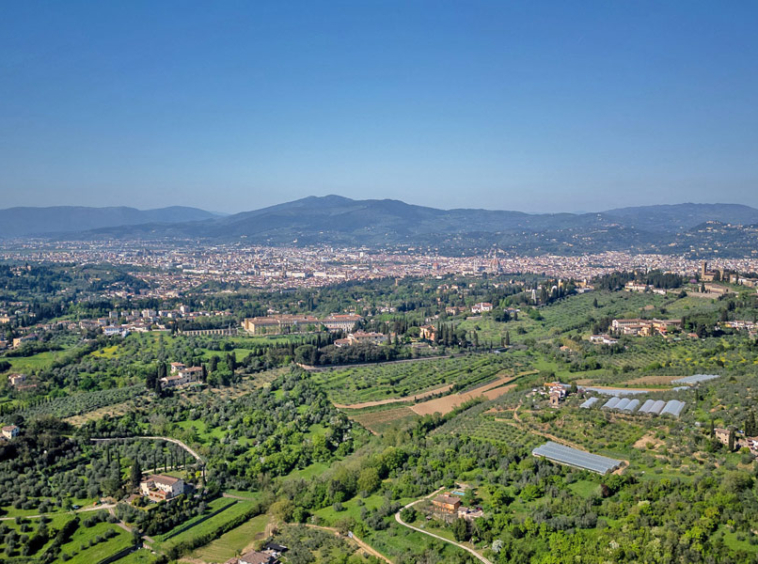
{"points": [[694, 229], [28, 221]]}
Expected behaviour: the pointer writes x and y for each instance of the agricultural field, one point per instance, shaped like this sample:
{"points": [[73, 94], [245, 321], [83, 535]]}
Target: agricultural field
{"points": [[201, 526], [82, 403], [407, 379], [96, 543], [218, 505], [379, 420], [233, 542], [11, 529]]}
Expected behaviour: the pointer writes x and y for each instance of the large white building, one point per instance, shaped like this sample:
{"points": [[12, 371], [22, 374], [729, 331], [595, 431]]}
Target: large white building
{"points": [[158, 487], [341, 321]]}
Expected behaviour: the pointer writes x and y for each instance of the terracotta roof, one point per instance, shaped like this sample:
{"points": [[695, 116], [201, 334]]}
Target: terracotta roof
{"points": [[162, 479], [447, 499]]}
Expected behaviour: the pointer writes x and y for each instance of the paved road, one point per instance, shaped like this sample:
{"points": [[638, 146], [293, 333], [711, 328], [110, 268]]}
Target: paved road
{"points": [[443, 539]]}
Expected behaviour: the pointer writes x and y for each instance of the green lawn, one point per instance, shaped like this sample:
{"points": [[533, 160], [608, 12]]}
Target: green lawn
{"points": [[731, 540], [212, 524], [228, 544], [81, 553], [39, 361], [219, 503], [310, 472], [584, 488], [398, 541], [203, 434], [353, 509]]}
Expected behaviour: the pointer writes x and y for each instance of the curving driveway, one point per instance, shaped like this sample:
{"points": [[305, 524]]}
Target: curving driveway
{"points": [[471, 551], [167, 439]]}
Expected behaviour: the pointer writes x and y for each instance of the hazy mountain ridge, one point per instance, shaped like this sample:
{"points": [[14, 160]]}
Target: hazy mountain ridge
{"points": [[336, 220], [32, 221]]}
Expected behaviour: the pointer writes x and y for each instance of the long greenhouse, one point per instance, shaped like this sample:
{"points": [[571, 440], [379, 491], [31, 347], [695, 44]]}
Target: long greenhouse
{"points": [[561, 454]]}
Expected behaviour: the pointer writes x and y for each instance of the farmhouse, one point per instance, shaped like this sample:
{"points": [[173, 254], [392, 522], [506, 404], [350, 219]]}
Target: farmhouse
{"points": [[17, 380], [428, 332], [557, 392], [18, 341], [447, 504], [645, 327], [481, 307], [182, 377], [10, 432], [159, 487], [603, 340]]}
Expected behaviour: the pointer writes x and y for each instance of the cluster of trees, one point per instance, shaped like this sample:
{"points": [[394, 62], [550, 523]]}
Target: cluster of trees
{"points": [[656, 278]]}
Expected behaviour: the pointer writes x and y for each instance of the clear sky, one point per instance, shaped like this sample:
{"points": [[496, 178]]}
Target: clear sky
{"points": [[231, 106]]}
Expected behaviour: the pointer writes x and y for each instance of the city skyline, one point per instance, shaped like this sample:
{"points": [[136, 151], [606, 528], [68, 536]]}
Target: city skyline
{"points": [[538, 108]]}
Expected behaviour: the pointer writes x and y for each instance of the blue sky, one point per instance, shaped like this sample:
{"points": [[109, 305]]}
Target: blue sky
{"points": [[231, 106]]}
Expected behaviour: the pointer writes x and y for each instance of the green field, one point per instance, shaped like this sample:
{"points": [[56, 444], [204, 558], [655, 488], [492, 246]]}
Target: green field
{"points": [[220, 503], [39, 361], [230, 544], [209, 525], [370, 383], [82, 553], [142, 556]]}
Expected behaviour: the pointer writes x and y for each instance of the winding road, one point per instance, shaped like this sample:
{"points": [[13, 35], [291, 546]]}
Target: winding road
{"points": [[366, 548], [167, 439], [471, 551]]}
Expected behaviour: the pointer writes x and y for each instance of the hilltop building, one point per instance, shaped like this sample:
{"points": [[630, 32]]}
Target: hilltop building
{"points": [[345, 322], [159, 487], [278, 324], [361, 337], [181, 376]]}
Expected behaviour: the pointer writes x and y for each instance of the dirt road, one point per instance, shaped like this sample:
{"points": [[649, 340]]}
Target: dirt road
{"points": [[413, 398], [438, 537]]}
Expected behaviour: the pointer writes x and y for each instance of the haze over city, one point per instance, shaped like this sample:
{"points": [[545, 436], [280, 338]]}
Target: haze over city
{"points": [[539, 107]]}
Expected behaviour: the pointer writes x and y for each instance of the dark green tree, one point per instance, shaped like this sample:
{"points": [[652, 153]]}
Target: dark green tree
{"points": [[135, 475]]}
